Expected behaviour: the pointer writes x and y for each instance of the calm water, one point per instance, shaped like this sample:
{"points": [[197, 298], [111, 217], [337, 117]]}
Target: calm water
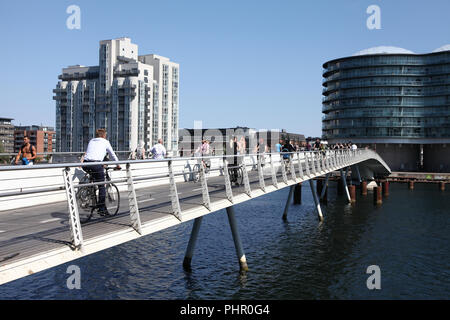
{"points": [[408, 237]]}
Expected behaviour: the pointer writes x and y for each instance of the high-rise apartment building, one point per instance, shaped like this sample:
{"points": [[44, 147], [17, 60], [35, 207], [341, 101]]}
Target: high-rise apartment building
{"points": [[7, 134], [133, 97]]}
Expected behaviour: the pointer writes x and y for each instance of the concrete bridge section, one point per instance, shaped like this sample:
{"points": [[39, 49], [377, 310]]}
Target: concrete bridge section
{"points": [[40, 220]]}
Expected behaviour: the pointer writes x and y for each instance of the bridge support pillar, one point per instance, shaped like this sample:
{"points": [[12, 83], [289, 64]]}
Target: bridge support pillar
{"points": [[298, 193], [324, 194], [191, 245], [237, 240], [344, 184], [288, 201], [316, 200]]}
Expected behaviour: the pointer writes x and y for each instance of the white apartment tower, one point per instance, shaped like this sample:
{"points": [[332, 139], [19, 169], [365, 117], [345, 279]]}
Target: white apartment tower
{"points": [[133, 97]]}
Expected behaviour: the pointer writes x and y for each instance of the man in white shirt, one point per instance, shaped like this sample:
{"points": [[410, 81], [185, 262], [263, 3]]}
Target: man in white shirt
{"points": [[96, 152], [158, 151]]}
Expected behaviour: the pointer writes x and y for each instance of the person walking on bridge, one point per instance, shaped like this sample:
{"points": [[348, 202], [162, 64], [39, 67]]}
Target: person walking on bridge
{"points": [[158, 151], [96, 151]]}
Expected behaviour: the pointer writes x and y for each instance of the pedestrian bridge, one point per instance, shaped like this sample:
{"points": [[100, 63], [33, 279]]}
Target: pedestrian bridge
{"points": [[39, 220]]}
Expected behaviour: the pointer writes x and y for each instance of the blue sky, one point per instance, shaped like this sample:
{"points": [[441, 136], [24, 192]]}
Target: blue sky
{"points": [[253, 63]]}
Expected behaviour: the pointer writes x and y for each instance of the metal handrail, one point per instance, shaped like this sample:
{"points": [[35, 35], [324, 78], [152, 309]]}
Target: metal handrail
{"points": [[128, 161]]}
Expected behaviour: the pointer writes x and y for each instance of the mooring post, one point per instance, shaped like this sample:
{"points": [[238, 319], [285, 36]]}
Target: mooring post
{"points": [[385, 188], [298, 193], [364, 188], [237, 240], [344, 183], [316, 200], [377, 197], [191, 245], [352, 190], [288, 201]]}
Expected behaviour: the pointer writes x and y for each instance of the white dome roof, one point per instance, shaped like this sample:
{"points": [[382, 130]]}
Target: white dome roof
{"points": [[443, 48], [383, 50]]}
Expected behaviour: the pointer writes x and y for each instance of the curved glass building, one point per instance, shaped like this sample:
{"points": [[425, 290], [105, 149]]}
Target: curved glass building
{"points": [[394, 101]]}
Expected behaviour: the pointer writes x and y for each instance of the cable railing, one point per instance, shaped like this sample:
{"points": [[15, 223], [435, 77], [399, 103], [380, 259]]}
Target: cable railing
{"points": [[53, 183]]}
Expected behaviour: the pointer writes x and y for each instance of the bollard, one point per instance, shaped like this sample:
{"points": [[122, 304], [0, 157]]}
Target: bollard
{"points": [[298, 193], [364, 188], [411, 185], [377, 197], [352, 190], [385, 188], [442, 185]]}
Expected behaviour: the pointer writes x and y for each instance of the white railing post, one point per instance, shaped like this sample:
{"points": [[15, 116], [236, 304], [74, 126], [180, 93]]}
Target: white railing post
{"points": [[291, 162], [204, 183], [261, 174], [300, 168], [248, 191], [226, 174], [132, 202], [272, 169], [176, 210], [283, 169], [308, 172], [76, 236]]}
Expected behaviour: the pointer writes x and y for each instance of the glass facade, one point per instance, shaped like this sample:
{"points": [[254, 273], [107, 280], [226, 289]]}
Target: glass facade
{"points": [[402, 96]]}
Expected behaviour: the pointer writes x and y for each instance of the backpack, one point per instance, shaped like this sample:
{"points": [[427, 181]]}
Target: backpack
{"points": [[285, 155], [30, 149]]}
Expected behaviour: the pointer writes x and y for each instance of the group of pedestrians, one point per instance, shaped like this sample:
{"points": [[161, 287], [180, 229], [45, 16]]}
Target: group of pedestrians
{"points": [[158, 151]]}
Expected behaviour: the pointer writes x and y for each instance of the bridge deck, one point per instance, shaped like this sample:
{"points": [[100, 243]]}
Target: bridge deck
{"points": [[35, 230], [39, 237]]}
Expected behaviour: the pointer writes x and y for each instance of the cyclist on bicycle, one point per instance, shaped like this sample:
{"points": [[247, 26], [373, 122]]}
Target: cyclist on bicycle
{"points": [[96, 151]]}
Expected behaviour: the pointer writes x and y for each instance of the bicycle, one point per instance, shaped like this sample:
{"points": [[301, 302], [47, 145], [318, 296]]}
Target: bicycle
{"points": [[236, 174], [87, 197], [196, 170]]}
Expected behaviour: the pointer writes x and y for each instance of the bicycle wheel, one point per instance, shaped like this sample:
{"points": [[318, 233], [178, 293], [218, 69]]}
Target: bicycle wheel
{"points": [[196, 173], [112, 200], [240, 177], [86, 202]]}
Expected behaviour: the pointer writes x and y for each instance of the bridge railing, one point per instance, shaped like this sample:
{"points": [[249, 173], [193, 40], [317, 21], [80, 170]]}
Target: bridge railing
{"points": [[29, 186]]}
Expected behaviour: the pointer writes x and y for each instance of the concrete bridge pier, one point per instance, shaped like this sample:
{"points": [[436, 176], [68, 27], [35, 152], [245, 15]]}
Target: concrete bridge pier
{"points": [[191, 245], [237, 240]]}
